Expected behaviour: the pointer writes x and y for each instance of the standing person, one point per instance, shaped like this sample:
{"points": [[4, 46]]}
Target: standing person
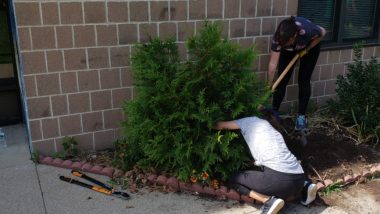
{"points": [[281, 177], [295, 35]]}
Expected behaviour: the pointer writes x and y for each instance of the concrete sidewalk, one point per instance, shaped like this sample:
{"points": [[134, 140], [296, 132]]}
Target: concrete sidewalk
{"points": [[19, 182], [36, 189]]}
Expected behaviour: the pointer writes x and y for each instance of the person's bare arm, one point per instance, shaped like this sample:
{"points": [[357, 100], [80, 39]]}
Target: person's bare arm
{"points": [[229, 125], [273, 61]]}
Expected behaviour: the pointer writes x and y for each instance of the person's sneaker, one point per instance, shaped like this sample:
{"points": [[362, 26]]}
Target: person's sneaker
{"points": [[273, 205], [309, 193], [301, 123]]}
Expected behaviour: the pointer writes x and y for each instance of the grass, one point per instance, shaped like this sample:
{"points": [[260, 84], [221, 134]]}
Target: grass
{"points": [[337, 187]]}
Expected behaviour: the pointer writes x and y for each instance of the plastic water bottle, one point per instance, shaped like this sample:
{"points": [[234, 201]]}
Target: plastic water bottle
{"points": [[3, 141]]}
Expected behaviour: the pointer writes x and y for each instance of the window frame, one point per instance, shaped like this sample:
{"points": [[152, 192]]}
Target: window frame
{"points": [[337, 41]]}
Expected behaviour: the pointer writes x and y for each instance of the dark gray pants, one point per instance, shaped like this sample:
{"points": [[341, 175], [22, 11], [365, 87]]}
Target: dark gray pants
{"points": [[306, 68], [268, 182]]}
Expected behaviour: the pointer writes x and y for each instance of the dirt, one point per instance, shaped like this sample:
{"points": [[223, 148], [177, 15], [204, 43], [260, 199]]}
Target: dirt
{"points": [[354, 199], [330, 154]]}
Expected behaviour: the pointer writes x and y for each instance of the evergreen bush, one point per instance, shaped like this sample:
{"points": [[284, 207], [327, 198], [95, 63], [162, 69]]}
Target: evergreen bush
{"points": [[358, 97], [169, 125]]}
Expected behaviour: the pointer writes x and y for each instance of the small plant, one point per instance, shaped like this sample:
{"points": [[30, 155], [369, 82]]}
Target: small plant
{"points": [[123, 155], [69, 147], [202, 177], [336, 187], [59, 155], [122, 182], [358, 98], [35, 157]]}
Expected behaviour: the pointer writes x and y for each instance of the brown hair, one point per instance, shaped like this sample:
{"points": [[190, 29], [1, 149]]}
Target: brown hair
{"points": [[275, 120], [285, 30]]}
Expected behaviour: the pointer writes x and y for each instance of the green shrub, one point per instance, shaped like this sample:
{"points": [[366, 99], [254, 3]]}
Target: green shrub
{"points": [[69, 147], [169, 125], [358, 97]]}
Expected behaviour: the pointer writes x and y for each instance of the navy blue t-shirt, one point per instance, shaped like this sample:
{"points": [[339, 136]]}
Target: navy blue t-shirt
{"points": [[306, 32]]}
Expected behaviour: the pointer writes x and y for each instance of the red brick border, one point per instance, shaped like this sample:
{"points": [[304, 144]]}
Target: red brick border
{"points": [[175, 184]]}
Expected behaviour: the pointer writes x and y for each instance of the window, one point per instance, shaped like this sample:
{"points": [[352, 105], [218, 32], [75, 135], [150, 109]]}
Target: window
{"points": [[346, 21]]}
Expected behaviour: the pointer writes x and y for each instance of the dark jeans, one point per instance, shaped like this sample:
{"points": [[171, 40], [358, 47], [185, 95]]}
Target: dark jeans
{"points": [[268, 182], [307, 64]]}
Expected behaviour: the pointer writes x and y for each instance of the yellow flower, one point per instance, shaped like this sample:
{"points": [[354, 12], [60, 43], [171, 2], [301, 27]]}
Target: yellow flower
{"points": [[219, 137], [215, 184]]}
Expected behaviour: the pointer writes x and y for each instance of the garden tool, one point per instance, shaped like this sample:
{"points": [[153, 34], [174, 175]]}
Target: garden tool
{"points": [[299, 135], [102, 188], [279, 79]]}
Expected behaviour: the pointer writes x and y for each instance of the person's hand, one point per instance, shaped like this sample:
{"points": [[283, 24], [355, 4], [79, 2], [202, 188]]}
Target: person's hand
{"points": [[303, 52], [270, 77]]}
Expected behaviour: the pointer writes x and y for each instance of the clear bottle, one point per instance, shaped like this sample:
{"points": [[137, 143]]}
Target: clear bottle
{"points": [[3, 141]]}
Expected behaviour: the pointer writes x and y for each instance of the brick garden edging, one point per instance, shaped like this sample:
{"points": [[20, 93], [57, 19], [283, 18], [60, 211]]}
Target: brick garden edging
{"points": [[175, 184]]}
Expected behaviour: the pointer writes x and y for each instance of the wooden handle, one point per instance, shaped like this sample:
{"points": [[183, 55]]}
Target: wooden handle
{"points": [[291, 63]]}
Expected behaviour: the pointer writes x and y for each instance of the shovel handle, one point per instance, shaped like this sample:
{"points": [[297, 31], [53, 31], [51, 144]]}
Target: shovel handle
{"points": [[291, 63]]}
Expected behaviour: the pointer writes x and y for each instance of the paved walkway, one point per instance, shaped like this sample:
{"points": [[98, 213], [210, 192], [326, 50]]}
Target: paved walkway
{"points": [[35, 189]]}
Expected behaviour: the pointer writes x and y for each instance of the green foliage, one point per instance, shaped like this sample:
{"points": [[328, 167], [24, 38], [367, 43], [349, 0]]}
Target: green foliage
{"points": [[59, 155], [336, 187], [124, 155], [358, 97], [35, 157], [170, 123], [69, 150], [121, 182], [69, 147]]}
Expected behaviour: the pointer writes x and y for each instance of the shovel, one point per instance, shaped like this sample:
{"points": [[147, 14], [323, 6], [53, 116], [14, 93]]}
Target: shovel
{"points": [[279, 79]]}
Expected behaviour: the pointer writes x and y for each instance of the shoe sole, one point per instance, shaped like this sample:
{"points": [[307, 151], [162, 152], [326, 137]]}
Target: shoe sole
{"points": [[311, 194], [277, 206]]}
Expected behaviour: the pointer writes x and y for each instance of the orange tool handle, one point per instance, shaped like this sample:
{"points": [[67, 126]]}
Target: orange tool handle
{"points": [[84, 176]]}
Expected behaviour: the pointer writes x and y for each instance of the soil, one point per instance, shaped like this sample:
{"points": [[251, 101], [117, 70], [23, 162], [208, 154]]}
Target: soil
{"points": [[329, 154]]}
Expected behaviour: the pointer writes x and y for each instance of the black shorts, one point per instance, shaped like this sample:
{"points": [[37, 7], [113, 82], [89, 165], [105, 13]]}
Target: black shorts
{"points": [[268, 182]]}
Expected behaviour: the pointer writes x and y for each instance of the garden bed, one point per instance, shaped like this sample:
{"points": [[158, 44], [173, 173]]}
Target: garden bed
{"points": [[331, 154], [329, 157]]}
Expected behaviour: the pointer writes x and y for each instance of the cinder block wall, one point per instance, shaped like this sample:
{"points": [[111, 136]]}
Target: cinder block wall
{"points": [[75, 57]]}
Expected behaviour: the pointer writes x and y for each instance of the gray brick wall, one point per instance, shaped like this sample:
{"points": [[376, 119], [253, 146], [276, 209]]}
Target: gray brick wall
{"points": [[76, 57]]}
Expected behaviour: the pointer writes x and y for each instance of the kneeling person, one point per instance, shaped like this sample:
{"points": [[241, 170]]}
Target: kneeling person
{"points": [[281, 177]]}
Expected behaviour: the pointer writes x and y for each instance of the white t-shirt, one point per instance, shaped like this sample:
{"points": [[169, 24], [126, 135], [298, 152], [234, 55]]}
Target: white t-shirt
{"points": [[267, 145]]}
